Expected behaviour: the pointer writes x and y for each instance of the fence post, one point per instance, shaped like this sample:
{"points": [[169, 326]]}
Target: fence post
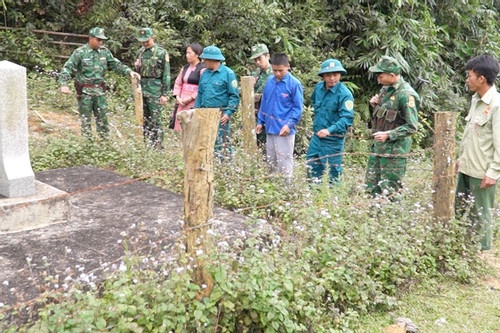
{"points": [[444, 178], [199, 130], [248, 116]]}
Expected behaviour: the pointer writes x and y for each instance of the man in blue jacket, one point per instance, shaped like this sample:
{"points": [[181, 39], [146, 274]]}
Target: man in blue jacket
{"points": [[333, 113], [218, 88], [280, 112]]}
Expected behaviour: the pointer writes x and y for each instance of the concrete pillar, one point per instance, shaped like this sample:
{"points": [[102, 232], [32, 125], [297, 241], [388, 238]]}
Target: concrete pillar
{"points": [[16, 175]]}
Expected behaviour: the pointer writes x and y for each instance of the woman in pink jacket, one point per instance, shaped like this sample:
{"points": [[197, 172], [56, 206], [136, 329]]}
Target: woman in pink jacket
{"points": [[186, 84]]}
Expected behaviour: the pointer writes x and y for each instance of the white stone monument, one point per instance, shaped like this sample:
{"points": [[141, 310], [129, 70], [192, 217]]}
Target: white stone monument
{"points": [[24, 202], [16, 175]]}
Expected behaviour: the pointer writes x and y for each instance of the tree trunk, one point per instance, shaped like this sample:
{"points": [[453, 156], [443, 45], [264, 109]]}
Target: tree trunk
{"points": [[444, 180], [199, 131], [138, 107], [248, 116]]}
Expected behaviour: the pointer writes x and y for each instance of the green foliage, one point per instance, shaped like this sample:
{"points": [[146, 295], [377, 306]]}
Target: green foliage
{"points": [[432, 39]]}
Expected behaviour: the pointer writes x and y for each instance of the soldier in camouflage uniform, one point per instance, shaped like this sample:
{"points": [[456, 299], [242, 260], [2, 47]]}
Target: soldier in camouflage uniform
{"points": [[260, 54], [153, 64], [90, 62], [394, 120]]}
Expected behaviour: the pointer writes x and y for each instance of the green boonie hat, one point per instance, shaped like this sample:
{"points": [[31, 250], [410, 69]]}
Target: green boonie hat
{"points": [[145, 34], [212, 53], [386, 64], [258, 50], [97, 32], [331, 66]]}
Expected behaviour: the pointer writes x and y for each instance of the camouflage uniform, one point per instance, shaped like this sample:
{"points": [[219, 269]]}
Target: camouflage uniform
{"points": [[154, 69], [396, 114], [90, 66], [261, 78]]}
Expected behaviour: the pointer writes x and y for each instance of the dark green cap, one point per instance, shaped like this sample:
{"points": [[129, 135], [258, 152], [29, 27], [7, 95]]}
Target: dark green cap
{"points": [[386, 64], [331, 66], [258, 50], [97, 32], [145, 34]]}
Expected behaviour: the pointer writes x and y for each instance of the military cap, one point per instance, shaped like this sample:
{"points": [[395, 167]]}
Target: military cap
{"points": [[212, 53], [97, 32], [145, 34], [331, 66], [258, 50], [386, 64]]}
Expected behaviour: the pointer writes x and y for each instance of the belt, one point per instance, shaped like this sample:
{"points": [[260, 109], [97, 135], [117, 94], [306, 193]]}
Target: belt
{"points": [[93, 85]]}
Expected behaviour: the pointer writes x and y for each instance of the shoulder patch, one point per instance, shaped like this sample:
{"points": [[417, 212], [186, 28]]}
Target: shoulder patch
{"points": [[349, 105], [167, 58], [234, 83], [411, 101]]}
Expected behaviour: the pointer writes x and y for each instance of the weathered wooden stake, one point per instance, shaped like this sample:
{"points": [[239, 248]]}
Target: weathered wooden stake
{"points": [[248, 116], [199, 130], [444, 179], [138, 105]]}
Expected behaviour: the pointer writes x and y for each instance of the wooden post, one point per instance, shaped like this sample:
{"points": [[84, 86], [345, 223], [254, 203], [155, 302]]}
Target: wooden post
{"points": [[199, 131], [138, 105], [444, 179], [248, 116]]}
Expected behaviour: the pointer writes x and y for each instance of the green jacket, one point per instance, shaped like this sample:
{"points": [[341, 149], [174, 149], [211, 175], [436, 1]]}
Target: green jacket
{"points": [[480, 146], [154, 70], [261, 78], [397, 113], [90, 66]]}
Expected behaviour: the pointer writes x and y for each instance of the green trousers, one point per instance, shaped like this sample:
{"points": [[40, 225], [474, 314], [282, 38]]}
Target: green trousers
{"points": [[96, 105], [481, 202], [384, 174], [152, 129]]}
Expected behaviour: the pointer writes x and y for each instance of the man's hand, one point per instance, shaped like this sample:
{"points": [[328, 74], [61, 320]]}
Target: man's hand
{"points": [[381, 136], [65, 90], [135, 75], [375, 100], [224, 119], [258, 129], [487, 182], [163, 100], [323, 133], [137, 63], [285, 130]]}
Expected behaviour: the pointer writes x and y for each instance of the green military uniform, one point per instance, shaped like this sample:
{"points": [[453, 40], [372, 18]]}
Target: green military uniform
{"points": [[90, 66], [397, 115], [154, 69], [261, 78]]}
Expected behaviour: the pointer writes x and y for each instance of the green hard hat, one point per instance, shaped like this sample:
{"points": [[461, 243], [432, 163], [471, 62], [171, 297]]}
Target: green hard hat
{"points": [[212, 53], [145, 34], [258, 50], [97, 32], [386, 64], [331, 66]]}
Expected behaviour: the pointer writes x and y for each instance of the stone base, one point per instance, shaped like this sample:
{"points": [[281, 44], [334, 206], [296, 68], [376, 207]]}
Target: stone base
{"points": [[47, 206]]}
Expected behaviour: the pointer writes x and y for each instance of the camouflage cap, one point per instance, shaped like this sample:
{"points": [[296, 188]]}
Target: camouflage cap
{"points": [[258, 50], [145, 34], [386, 64], [97, 32]]}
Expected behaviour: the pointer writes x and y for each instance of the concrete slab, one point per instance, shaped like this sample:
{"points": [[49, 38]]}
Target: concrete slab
{"points": [[47, 206], [107, 209]]}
